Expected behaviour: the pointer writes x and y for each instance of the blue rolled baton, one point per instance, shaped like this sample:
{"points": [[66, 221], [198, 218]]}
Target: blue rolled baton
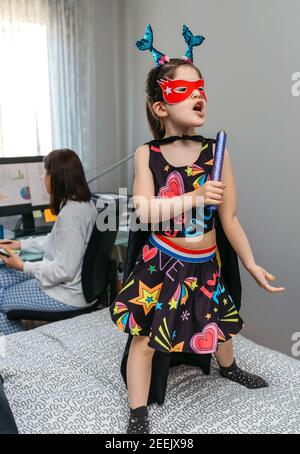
{"points": [[218, 161]]}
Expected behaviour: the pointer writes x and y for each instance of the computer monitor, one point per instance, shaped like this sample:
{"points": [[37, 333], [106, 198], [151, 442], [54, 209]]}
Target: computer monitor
{"points": [[22, 190]]}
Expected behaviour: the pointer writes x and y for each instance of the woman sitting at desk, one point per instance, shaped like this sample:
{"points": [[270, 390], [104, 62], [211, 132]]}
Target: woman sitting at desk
{"points": [[53, 284]]}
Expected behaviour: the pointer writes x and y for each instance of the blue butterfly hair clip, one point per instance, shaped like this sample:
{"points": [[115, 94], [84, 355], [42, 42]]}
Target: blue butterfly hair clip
{"points": [[146, 43]]}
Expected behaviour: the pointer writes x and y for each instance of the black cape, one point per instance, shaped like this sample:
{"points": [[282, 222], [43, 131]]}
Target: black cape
{"points": [[163, 361], [7, 422]]}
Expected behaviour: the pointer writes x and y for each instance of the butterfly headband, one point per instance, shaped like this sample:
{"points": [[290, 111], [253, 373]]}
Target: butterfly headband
{"points": [[159, 58]]}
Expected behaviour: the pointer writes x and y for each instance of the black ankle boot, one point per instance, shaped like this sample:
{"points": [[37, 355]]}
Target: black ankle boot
{"points": [[242, 377], [138, 421]]}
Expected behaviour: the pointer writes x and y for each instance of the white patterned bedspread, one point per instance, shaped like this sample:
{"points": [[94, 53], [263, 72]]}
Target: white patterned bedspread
{"points": [[65, 377]]}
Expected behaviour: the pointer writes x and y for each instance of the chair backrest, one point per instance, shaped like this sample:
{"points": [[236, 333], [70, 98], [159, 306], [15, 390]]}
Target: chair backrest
{"points": [[97, 263]]}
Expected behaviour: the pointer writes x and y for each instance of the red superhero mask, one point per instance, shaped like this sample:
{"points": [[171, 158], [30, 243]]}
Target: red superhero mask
{"points": [[175, 91]]}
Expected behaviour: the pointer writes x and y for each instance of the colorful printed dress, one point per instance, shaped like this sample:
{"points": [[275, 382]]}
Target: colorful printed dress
{"points": [[174, 295]]}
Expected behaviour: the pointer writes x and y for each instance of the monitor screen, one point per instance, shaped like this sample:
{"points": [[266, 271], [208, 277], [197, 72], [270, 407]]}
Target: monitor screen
{"points": [[22, 185]]}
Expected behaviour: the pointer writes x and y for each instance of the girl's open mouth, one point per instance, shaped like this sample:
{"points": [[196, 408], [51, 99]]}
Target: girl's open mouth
{"points": [[199, 107]]}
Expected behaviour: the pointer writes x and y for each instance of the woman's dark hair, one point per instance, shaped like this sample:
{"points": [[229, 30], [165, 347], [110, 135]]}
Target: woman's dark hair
{"points": [[67, 179], [154, 92]]}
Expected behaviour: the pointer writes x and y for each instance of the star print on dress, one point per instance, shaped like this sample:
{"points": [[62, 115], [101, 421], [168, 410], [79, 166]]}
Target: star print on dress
{"points": [[126, 318], [147, 297], [119, 307], [189, 171], [181, 294], [122, 321], [191, 282], [133, 326], [193, 170], [173, 303], [167, 168], [152, 269]]}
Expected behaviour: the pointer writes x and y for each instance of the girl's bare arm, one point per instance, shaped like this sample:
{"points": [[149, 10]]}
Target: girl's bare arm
{"points": [[149, 208]]}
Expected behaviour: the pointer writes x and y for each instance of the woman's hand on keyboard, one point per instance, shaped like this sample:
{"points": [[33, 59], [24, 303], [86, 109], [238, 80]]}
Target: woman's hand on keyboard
{"points": [[13, 261], [10, 243], [212, 191]]}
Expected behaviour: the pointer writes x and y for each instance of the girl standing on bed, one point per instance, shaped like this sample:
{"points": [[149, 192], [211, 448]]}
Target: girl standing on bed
{"points": [[54, 283], [175, 300]]}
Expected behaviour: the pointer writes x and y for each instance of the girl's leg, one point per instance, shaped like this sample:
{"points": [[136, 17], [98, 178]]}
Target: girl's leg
{"points": [[139, 366], [224, 355], [26, 295], [229, 369]]}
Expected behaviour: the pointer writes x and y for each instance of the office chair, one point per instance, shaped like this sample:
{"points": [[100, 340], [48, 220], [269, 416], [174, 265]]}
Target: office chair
{"points": [[99, 280]]}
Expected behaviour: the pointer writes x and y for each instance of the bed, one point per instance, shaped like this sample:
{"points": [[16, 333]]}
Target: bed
{"points": [[64, 377]]}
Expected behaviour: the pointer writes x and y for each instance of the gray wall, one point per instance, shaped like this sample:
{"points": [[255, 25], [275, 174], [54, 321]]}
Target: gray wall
{"points": [[107, 94], [248, 58]]}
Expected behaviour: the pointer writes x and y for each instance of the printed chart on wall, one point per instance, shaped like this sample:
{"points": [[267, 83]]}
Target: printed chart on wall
{"points": [[22, 184]]}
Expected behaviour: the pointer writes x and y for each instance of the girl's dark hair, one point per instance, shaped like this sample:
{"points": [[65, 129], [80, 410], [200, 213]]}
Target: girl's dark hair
{"points": [[67, 179], [154, 92]]}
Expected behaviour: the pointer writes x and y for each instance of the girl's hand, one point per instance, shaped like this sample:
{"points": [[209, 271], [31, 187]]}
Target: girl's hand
{"points": [[261, 276], [10, 243], [212, 191], [13, 261]]}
